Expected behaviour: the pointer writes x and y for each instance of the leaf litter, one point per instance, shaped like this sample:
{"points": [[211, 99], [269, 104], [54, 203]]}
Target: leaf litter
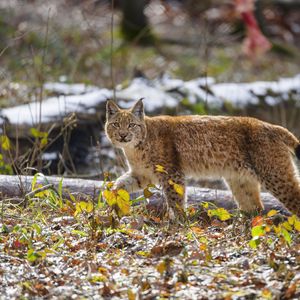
{"points": [[85, 250]]}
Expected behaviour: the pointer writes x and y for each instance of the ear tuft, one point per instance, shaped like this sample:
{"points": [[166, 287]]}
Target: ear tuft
{"points": [[138, 109], [111, 108]]}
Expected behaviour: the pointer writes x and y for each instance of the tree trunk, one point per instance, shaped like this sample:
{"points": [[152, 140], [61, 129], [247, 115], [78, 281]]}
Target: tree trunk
{"points": [[135, 26]]}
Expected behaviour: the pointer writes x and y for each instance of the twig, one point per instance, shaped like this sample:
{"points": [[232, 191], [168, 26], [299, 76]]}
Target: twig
{"points": [[38, 190], [112, 74]]}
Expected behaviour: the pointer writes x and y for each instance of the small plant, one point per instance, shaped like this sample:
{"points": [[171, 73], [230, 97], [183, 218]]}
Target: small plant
{"points": [[213, 211], [118, 200], [5, 168], [264, 229]]}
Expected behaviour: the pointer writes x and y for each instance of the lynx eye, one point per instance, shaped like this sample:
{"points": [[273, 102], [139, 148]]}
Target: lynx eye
{"points": [[131, 125], [116, 124]]}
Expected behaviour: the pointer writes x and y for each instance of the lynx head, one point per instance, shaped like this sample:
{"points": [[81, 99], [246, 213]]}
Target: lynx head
{"points": [[125, 127]]}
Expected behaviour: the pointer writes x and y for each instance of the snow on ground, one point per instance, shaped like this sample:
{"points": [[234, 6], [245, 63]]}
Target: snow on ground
{"points": [[158, 93], [69, 89], [55, 107], [143, 88]]}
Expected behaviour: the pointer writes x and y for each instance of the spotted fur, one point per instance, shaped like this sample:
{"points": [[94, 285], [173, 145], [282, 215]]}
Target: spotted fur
{"points": [[246, 152]]}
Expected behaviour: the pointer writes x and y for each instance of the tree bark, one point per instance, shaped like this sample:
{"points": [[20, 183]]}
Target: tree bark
{"points": [[17, 187], [134, 25]]}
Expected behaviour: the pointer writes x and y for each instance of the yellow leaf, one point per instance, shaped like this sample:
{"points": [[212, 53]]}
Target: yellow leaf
{"points": [[43, 194], [179, 189], [123, 201], [221, 213], [147, 193], [171, 182], [124, 195], [203, 247], [272, 213], [205, 205], [266, 294], [161, 169], [287, 226], [109, 185], [277, 229], [110, 197], [267, 228], [80, 207], [161, 267], [292, 219], [44, 141], [224, 214], [131, 295], [297, 225], [38, 134], [89, 207], [197, 230], [5, 142]]}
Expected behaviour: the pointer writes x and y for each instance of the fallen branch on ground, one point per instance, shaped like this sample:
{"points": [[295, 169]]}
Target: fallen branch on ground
{"points": [[10, 187]]}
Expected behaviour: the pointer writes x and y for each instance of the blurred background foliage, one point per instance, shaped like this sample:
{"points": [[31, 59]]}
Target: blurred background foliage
{"points": [[70, 41]]}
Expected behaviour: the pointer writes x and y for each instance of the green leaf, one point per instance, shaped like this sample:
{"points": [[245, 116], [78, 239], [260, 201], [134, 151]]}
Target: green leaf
{"points": [[58, 243], [38, 134], [60, 187], [221, 213], [286, 236], [37, 228], [79, 232], [254, 242], [98, 278], [44, 141], [257, 231], [32, 256], [5, 142]]}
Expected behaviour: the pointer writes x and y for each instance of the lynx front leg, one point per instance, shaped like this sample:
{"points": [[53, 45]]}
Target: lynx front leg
{"points": [[173, 186], [130, 182]]}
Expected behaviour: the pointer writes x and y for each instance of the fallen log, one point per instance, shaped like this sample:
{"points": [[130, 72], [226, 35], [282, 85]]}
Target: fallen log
{"points": [[20, 187]]}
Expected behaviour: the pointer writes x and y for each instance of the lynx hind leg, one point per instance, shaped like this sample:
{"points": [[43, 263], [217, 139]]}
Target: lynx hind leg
{"points": [[246, 192], [282, 181]]}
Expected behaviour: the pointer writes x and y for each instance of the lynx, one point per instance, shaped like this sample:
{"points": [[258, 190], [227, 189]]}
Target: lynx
{"points": [[245, 151]]}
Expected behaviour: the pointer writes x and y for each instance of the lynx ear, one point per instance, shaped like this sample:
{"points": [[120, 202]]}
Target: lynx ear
{"points": [[138, 109], [111, 108]]}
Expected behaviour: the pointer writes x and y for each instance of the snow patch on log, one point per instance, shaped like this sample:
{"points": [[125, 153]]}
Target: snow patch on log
{"points": [[158, 93]]}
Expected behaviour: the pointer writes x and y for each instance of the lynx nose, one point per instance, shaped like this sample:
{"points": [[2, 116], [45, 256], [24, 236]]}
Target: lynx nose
{"points": [[123, 136]]}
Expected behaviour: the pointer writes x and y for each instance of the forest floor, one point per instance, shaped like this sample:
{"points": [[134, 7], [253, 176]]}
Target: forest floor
{"points": [[57, 248]]}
